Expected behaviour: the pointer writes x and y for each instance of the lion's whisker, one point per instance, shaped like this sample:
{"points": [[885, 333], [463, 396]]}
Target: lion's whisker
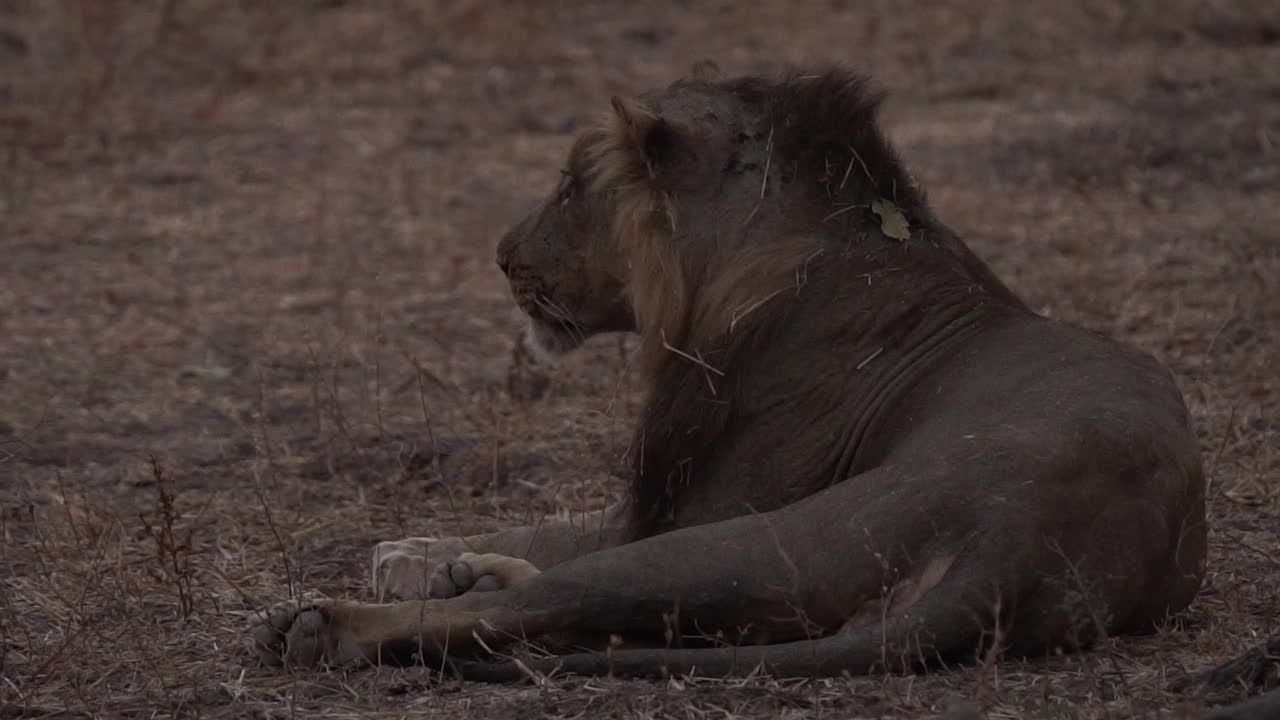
{"points": [[556, 311], [561, 315], [768, 161]]}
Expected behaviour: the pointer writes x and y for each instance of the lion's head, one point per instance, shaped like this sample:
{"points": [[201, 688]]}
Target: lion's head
{"points": [[563, 271], [687, 209]]}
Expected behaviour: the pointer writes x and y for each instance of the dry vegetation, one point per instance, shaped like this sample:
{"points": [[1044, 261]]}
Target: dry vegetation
{"points": [[250, 323]]}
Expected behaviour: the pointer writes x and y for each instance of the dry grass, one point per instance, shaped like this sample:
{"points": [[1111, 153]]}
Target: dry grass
{"points": [[253, 241]]}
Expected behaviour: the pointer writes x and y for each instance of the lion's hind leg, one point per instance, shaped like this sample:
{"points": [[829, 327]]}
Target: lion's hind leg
{"points": [[419, 568], [481, 572], [401, 570], [954, 618]]}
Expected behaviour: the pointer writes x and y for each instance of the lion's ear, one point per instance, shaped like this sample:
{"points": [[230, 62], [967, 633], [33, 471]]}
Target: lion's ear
{"points": [[655, 144]]}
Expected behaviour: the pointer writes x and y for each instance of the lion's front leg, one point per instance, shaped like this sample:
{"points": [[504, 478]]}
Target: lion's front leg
{"points": [[335, 632], [721, 576]]}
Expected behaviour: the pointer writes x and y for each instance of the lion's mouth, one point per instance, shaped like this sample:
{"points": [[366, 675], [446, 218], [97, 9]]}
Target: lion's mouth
{"points": [[549, 341], [553, 330]]}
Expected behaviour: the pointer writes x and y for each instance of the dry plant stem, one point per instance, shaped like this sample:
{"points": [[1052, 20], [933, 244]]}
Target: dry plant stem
{"points": [[172, 554]]}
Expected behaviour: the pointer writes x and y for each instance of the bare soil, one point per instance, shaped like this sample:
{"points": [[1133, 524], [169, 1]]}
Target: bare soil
{"points": [[250, 321]]}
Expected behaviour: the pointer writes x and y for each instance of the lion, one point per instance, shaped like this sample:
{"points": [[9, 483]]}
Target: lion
{"points": [[860, 451]]}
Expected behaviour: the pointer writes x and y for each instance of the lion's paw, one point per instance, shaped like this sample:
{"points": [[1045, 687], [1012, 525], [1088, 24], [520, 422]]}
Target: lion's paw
{"points": [[428, 569], [478, 572], [307, 635], [405, 569]]}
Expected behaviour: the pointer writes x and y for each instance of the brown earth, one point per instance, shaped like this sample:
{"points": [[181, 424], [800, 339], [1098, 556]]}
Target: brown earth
{"points": [[253, 241]]}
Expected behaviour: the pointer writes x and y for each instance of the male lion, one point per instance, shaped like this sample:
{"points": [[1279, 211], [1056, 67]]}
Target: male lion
{"points": [[860, 451]]}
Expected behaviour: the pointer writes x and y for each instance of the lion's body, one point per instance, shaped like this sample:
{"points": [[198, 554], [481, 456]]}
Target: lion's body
{"points": [[859, 450]]}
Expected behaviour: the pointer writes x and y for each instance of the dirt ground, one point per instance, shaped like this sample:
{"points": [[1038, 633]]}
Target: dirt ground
{"points": [[250, 321]]}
